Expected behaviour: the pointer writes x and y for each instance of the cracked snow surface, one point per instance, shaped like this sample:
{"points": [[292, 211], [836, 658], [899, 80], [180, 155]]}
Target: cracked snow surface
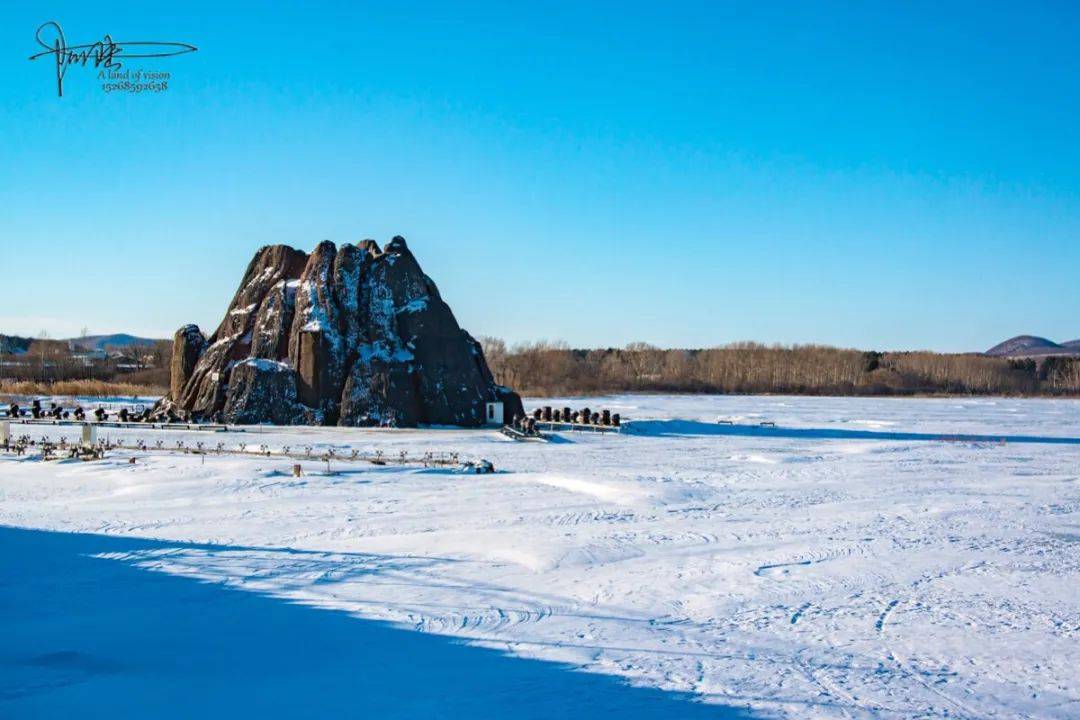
{"points": [[864, 558]]}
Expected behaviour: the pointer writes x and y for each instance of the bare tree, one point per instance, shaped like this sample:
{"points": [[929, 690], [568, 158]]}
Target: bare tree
{"points": [[43, 337]]}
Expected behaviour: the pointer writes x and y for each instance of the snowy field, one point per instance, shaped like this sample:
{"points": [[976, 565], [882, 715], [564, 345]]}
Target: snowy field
{"points": [[895, 558]]}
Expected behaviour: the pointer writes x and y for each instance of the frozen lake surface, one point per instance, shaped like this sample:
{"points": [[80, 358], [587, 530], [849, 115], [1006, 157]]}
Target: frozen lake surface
{"points": [[864, 558]]}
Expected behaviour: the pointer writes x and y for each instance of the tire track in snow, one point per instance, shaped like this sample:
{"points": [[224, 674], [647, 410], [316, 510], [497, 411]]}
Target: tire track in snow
{"points": [[880, 624], [493, 619], [778, 569], [813, 557]]}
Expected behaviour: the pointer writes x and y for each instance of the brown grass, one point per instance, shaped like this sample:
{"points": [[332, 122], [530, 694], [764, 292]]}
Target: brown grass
{"points": [[90, 388]]}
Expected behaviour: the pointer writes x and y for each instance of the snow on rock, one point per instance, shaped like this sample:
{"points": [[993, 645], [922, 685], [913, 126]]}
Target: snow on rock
{"points": [[365, 335], [262, 391]]}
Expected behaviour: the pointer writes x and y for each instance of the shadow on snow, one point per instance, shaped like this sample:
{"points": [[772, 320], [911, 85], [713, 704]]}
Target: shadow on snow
{"points": [[695, 427], [92, 636]]}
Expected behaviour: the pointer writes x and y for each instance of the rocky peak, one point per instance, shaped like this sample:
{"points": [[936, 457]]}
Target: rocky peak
{"points": [[352, 335]]}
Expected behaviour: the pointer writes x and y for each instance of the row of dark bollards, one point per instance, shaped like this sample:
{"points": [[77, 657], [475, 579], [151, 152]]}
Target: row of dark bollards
{"points": [[526, 425], [584, 416], [39, 413], [56, 412]]}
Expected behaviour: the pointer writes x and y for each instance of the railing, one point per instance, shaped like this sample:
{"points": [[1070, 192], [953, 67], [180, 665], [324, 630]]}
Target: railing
{"points": [[53, 448]]}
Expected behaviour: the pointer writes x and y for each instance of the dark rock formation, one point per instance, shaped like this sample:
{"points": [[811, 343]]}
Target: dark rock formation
{"points": [[262, 391], [188, 346], [351, 335]]}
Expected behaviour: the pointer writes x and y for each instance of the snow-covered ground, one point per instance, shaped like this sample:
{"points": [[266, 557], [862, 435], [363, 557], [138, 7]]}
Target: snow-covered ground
{"points": [[865, 558]]}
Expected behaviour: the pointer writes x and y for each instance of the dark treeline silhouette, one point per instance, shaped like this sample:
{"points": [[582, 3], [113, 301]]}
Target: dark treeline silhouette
{"points": [[553, 368], [44, 362]]}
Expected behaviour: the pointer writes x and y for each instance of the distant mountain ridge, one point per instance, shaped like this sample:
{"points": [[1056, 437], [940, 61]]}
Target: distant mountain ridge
{"points": [[17, 345], [1026, 346], [100, 342]]}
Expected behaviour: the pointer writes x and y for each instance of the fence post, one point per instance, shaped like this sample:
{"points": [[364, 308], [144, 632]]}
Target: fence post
{"points": [[89, 436]]}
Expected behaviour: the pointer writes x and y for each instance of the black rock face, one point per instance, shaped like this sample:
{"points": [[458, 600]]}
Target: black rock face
{"points": [[188, 346], [351, 336]]}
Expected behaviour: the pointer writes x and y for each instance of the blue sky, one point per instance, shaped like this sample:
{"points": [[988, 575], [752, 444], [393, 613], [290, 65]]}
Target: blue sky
{"points": [[878, 175]]}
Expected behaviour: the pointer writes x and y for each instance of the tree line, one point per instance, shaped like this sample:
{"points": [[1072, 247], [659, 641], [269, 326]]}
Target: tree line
{"points": [[43, 361], [553, 368]]}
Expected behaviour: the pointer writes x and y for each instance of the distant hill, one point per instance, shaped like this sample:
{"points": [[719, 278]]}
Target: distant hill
{"points": [[1024, 346], [100, 342], [13, 344], [17, 345]]}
